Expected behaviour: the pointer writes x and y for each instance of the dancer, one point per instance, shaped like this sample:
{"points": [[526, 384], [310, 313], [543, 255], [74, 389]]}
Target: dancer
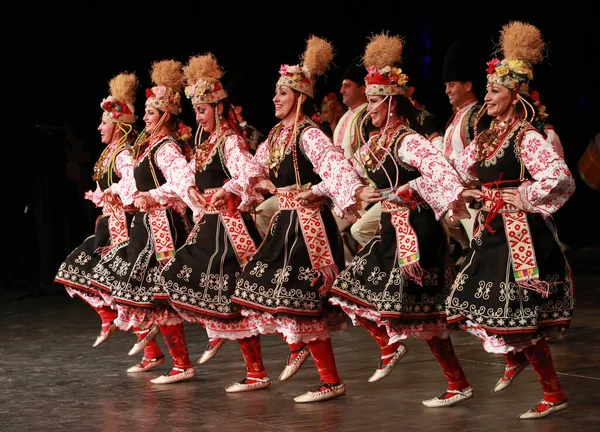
{"points": [[115, 186], [129, 272], [285, 284], [397, 283], [514, 290], [200, 279]]}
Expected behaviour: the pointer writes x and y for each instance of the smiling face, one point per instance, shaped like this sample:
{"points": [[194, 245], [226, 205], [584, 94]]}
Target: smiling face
{"points": [[205, 116], [284, 100], [353, 94], [458, 92], [500, 102], [378, 110], [108, 131], [151, 117]]}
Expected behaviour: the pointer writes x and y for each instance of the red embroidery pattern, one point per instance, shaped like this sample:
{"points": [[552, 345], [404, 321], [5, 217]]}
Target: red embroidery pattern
{"points": [[164, 246], [117, 223]]}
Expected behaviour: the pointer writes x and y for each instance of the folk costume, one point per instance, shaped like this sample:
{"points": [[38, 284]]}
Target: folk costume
{"points": [[199, 281], [397, 284], [285, 285], [113, 172], [515, 289], [130, 272]]}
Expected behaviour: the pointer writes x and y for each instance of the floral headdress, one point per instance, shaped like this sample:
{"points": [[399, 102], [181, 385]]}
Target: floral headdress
{"points": [[331, 102], [522, 46], [203, 75], [167, 77], [384, 78], [315, 61], [118, 106]]}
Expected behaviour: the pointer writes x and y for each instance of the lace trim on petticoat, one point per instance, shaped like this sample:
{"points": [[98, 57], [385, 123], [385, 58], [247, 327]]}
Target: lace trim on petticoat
{"points": [[93, 300], [235, 329], [294, 330], [495, 345], [144, 318], [394, 328]]}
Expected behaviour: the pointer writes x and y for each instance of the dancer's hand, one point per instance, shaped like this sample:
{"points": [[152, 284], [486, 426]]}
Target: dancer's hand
{"points": [[195, 195], [144, 201], [368, 194], [265, 186], [306, 197], [472, 194], [220, 198], [513, 198]]}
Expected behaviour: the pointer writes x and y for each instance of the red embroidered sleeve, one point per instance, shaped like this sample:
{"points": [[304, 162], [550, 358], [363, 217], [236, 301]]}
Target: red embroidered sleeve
{"points": [[441, 186], [244, 171], [340, 181], [553, 184], [465, 164], [125, 187], [174, 167]]}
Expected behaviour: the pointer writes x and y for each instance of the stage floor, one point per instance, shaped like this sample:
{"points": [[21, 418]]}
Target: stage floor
{"points": [[51, 379]]}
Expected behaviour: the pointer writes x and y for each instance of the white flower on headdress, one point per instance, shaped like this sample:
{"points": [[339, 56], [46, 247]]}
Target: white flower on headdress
{"points": [[160, 91], [386, 70], [294, 69]]}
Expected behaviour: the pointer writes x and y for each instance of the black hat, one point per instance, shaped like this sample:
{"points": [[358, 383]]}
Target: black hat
{"points": [[355, 71], [459, 64]]}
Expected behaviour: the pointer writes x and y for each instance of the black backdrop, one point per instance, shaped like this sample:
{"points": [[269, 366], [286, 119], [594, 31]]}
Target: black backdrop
{"points": [[60, 60]]}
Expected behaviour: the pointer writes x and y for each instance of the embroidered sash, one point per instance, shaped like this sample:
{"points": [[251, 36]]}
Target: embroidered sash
{"points": [[518, 238], [315, 237], [164, 245], [407, 244], [237, 232], [117, 223]]}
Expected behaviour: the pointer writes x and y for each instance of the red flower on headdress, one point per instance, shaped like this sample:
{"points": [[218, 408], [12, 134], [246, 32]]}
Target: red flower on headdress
{"points": [[492, 65], [535, 96], [149, 93]]}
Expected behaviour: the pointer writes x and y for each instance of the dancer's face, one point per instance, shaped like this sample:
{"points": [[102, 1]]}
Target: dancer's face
{"points": [[377, 110], [205, 116], [151, 118], [107, 129], [284, 101], [500, 101]]}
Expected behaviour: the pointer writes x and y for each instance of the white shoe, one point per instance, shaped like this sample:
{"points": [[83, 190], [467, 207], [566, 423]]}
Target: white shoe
{"points": [[244, 386], [323, 392], [146, 364], [544, 409], [382, 372], [505, 381], [141, 344], [210, 352], [442, 401], [181, 375], [291, 368], [104, 335]]}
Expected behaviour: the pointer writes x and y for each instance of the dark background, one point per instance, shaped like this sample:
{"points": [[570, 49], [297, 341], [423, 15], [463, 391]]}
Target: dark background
{"points": [[60, 59]]}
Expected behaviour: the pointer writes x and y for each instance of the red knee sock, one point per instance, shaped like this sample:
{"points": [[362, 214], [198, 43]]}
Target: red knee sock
{"points": [[382, 339], [213, 342], [443, 351], [540, 359], [174, 337], [322, 354], [152, 350], [515, 359], [253, 358], [107, 315]]}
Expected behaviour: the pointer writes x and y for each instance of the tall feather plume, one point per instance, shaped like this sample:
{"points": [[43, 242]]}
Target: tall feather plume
{"points": [[123, 87], [168, 73], [203, 67], [317, 56], [522, 41], [383, 50]]}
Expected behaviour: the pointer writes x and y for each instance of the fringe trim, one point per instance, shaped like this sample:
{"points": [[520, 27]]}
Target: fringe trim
{"points": [[329, 274], [413, 271]]}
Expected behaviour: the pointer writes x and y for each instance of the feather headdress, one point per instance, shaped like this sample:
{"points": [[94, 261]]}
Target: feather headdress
{"points": [[382, 56], [203, 75], [168, 79], [119, 105], [522, 47], [315, 61]]}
